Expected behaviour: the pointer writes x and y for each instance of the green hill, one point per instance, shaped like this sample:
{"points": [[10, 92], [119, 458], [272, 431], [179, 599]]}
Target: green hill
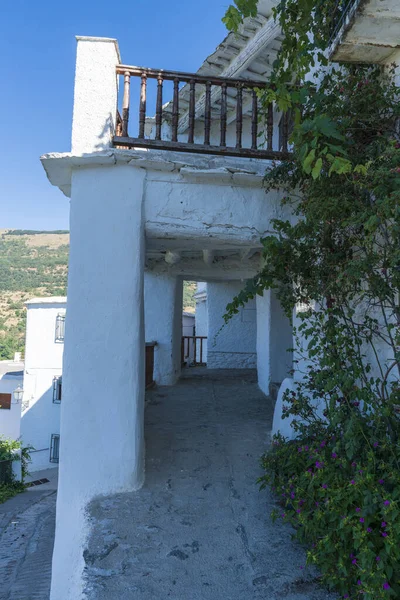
{"points": [[35, 264]]}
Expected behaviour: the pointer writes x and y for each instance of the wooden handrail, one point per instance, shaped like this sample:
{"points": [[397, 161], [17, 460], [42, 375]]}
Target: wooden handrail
{"points": [[187, 77], [183, 130]]}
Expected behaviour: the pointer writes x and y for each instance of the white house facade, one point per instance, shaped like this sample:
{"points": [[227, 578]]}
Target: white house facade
{"points": [[180, 198], [42, 384]]}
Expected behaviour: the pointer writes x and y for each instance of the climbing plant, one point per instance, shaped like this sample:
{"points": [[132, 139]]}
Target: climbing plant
{"points": [[335, 261]]}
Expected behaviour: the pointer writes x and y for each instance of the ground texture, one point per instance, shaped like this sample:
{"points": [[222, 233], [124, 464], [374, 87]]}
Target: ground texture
{"points": [[198, 530]]}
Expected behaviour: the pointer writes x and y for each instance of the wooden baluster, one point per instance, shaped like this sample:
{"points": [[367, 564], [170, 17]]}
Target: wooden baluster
{"points": [[175, 111], [142, 109], [270, 126], [195, 351], [201, 350], [285, 129], [159, 107], [254, 121], [192, 108], [223, 114], [207, 115], [125, 104], [239, 116]]}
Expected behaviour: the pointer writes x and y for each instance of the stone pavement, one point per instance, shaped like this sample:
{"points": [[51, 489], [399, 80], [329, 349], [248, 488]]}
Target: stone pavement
{"points": [[26, 541], [198, 530]]}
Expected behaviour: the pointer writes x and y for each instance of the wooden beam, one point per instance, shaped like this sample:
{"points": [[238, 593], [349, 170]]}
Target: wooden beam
{"points": [[172, 258], [208, 257], [262, 38]]}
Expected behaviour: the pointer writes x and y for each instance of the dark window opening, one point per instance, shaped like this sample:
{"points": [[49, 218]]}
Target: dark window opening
{"points": [[5, 401], [57, 390]]}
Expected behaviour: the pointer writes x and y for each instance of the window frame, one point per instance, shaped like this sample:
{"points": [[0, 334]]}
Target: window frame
{"points": [[60, 328], [57, 389], [54, 448]]}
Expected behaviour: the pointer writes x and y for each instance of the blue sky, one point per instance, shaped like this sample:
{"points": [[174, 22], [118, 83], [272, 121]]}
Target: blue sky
{"points": [[37, 50]]}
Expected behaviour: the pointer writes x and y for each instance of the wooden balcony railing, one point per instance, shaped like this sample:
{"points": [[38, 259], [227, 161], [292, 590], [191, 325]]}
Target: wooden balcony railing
{"points": [[193, 350], [199, 116]]}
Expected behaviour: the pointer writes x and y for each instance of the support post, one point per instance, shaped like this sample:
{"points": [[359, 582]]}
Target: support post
{"points": [[274, 339], [102, 409], [95, 94], [163, 324]]}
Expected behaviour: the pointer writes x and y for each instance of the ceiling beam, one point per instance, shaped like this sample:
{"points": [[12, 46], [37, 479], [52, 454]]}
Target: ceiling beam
{"points": [[172, 258], [257, 44], [208, 257]]}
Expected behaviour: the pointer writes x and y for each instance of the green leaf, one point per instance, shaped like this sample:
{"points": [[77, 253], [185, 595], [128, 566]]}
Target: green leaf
{"points": [[317, 169]]}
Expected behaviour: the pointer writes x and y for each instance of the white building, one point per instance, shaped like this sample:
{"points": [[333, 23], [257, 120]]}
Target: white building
{"points": [[147, 212], [42, 384], [11, 378]]}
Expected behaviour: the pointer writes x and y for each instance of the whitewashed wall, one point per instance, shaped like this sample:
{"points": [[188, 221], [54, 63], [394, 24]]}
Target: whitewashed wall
{"points": [[10, 419], [163, 324], [43, 361], [233, 346], [202, 316]]}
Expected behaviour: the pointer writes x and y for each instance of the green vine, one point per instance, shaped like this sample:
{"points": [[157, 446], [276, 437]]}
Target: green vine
{"points": [[334, 263]]}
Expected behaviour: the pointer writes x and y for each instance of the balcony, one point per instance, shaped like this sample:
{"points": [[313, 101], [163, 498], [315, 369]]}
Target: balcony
{"points": [[207, 115], [365, 31]]}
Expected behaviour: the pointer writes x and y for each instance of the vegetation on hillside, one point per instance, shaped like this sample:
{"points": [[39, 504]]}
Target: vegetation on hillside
{"points": [[35, 264]]}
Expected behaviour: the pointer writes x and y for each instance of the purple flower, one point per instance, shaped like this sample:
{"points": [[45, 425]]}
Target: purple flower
{"points": [[292, 495], [358, 509], [319, 465], [383, 524], [346, 596], [386, 586], [381, 481], [353, 464], [362, 520], [325, 486], [299, 449], [322, 444], [369, 529], [359, 582], [354, 561], [352, 482], [377, 558], [298, 510], [384, 534], [376, 444], [386, 503], [334, 455]]}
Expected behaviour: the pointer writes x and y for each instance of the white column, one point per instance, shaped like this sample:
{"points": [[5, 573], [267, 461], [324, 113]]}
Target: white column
{"points": [[95, 94], [274, 338], [102, 447], [163, 324]]}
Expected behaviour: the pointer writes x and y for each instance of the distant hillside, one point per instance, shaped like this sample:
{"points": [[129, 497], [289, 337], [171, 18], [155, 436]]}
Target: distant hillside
{"points": [[35, 263], [31, 264]]}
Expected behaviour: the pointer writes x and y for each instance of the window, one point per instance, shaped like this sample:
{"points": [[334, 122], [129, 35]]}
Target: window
{"points": [[60, 327], [57, 390], [5, 401], [55, 448]]}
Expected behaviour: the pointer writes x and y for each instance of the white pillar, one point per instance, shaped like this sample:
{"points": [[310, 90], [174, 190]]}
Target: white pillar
{"points": [[102, 447], [95, 94], [163, 324], [274, 338]]}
